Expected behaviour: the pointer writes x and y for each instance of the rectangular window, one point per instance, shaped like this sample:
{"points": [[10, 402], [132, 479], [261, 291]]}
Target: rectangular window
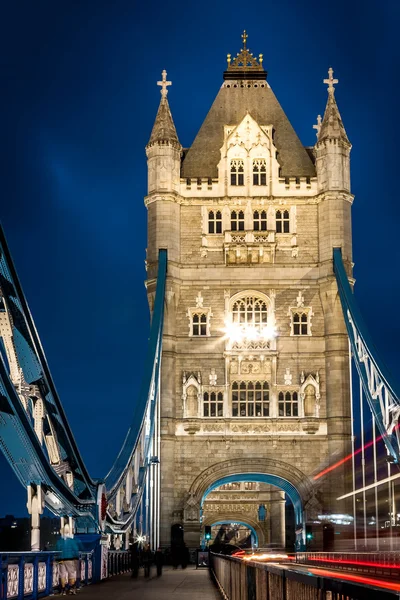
{"points": [[282, 221], [237, 172], [199, 324], [260, 220], [214, 222], [250, 399], [288, 404], [259, 171], [213, 404], [300, 323], [237, 220]]}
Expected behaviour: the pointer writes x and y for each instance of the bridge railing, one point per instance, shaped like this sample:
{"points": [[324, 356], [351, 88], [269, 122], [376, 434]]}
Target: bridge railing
{"points": [[250, 580], [33, 575], [119, 561], [375, 563]]}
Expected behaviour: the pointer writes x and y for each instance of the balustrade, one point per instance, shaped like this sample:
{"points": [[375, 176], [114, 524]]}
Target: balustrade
{"points": [[36, 574], [251, 580]]}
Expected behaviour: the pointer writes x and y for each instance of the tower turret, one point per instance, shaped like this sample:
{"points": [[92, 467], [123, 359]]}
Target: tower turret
{"points": [[163, 149], [332, 149], [164, 162]]}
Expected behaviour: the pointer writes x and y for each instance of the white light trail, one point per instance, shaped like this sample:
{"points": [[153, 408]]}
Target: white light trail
{"points": [[369, 487]]}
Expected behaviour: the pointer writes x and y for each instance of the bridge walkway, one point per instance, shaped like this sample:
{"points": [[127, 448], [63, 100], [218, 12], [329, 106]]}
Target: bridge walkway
{"points": [[174, 584]]}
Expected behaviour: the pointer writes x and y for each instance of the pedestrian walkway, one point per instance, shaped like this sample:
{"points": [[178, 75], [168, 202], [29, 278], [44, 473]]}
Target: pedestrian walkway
{"points": [[174, 584]]}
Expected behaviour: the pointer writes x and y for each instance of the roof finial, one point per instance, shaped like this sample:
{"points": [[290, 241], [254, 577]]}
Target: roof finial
{"points": [[330, 81], [164, 84], [244, 38], [318, 125]]}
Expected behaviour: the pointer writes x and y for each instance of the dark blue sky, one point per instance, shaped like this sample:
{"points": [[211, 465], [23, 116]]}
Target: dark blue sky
{"points": [[79, 96]]}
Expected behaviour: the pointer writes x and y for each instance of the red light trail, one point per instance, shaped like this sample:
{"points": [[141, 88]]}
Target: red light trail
{"points": [[358, 562], [349, 456], [388, 585]]}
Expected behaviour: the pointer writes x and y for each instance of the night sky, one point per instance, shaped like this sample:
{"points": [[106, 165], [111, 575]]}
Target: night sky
{"points": [[79, 97]]}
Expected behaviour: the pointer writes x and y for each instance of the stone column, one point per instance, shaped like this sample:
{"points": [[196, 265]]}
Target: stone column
{"points": [[277, 518]]}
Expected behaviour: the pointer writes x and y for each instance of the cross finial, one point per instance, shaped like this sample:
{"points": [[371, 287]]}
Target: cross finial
{"points": [[244, 38], [164, 84], [318, 125], [330, 81]]}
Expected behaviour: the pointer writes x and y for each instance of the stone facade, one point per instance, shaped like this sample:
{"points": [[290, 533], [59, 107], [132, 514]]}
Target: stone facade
{"points": [[255, 368]]}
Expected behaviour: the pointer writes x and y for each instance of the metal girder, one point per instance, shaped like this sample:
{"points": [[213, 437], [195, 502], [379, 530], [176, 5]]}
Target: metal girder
{"points": [[133, 459], [382, 399]]}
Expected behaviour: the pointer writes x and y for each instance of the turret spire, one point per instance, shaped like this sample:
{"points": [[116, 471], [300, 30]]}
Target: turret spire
{"points": [[245, 65], [164, 131], [332, 126]]}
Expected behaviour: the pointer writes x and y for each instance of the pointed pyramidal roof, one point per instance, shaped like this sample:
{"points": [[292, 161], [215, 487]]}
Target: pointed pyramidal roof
{"points": [[245, 90], [332, 125], [164, 128]]}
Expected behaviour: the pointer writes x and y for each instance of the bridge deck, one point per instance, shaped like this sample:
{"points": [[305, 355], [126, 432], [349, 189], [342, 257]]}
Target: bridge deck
{"points": [[187, 584]]}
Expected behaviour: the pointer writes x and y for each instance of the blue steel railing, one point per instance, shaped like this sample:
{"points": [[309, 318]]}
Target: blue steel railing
{"points": [[32, 575]]}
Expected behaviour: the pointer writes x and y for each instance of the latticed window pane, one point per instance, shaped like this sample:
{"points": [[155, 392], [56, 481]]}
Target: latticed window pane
{"points": [[237, 220], [250, 311], [260, 220], [300, 324], [250, 399], [237, 172], [288, 404], [213, 404], [214, 222], [282, 221], [259, 171], [199, 324]]}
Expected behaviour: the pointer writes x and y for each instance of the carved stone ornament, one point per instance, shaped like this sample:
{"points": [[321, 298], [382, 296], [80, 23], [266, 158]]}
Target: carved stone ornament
{"points": [[191, 426], [310, 425], [191, 511], [313, 508], [288, 377], [213, 377]]}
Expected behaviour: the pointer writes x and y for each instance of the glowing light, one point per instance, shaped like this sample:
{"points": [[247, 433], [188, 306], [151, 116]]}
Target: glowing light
{"points": [[357, 578], [236, 332], [363, 563], [369, 487], [140, 539], [263, 557]]}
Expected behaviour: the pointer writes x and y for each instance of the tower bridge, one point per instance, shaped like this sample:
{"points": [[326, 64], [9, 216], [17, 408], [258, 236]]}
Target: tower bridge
{"points": [[247, 395]]}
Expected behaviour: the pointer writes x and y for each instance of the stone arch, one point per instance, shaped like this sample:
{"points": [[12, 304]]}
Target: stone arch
{"points": [[283, 475], [232, 518]]}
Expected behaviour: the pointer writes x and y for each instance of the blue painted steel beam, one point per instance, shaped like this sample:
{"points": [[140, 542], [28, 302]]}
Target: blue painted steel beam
{"points": [[353, 317], [149, 389]]}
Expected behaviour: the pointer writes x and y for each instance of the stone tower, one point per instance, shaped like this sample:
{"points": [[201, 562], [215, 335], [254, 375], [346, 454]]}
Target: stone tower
{"points": [[255, 368]]}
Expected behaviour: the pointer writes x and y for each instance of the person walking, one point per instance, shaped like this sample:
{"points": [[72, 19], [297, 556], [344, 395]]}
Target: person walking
{"points": [[159, 561], [147, 557], [69, 550], [135, 560]]}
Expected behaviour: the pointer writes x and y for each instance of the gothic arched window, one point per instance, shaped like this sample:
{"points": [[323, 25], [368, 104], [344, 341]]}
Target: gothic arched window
{"points": [[213, 404], [237, 220], [300, 323], [259, 171], [288, 404], [237, 172], [199, 324], [250, 311], [282, 221], [260, 220], [214, 222], [250, 399]]}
